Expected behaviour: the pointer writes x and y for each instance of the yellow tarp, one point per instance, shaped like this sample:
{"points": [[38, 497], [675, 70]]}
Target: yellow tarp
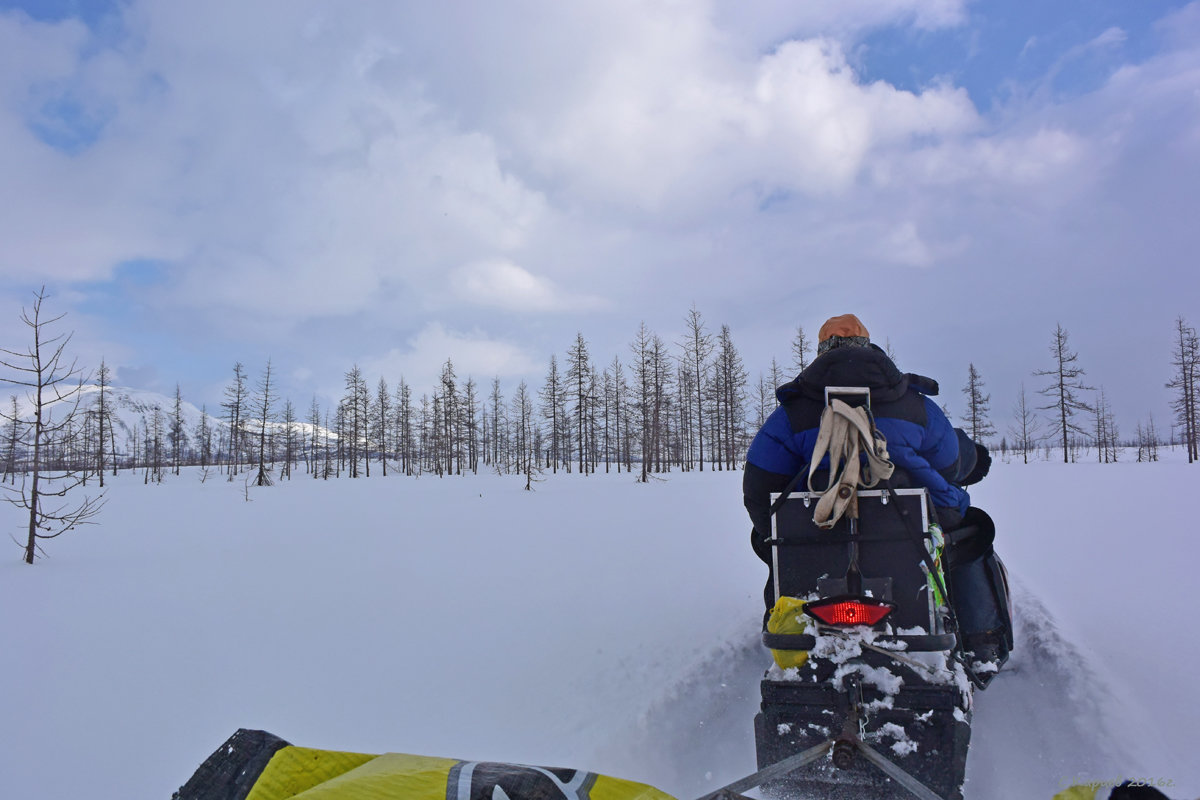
{"points": [[305, 774]]}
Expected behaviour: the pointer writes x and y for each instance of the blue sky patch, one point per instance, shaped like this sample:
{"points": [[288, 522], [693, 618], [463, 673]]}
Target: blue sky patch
{"points": [[1069, 47], [68, 125], [143, 272], [129, 278], [92, 12]]}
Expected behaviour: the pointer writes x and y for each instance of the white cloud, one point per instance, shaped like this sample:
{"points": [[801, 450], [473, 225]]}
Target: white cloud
{"points": [[301, 153], [66, 216], [824, 124], [255, 164], [503, 284], [1014, 161], [318, 180], [1110, 37], [679, 119], [844, 19], [473, 354], [904, 245], [1181, 27]]}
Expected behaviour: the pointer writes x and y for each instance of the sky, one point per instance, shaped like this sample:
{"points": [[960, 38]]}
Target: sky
{"points": [[389, 185]]}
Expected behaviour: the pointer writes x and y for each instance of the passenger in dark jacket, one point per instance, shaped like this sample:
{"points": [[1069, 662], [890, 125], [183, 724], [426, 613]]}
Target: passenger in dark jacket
{"points": [[920, 440], [927, 451]]}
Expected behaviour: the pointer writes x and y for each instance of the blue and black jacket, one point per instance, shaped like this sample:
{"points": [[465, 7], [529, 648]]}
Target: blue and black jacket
{"points": [[920, 440]]}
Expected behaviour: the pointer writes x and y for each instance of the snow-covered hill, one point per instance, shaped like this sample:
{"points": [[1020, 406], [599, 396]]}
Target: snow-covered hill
{"points": [[132, 413], [595, 622], [131, 410]]}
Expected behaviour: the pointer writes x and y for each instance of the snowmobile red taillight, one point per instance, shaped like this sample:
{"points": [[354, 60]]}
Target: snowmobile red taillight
{"points": [[849, 610]]}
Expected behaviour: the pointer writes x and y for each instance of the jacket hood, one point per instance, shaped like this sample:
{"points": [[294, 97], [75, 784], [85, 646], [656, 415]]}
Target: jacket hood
{"points": [[855, 366]]}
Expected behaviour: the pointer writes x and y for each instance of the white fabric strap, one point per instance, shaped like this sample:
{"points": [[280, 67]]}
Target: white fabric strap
{"points": [[846, 434]]}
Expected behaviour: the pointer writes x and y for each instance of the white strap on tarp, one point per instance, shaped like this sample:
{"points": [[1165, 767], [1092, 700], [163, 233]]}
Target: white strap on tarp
{"points": [[846, 434]]}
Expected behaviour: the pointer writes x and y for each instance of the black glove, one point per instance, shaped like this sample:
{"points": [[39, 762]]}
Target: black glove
{"points": [[965, 463], [983, 462]]}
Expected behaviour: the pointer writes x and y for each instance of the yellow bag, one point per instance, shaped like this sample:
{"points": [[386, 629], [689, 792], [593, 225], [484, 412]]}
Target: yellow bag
{"points": [[305, 774], [788, 617], [1077, 793]]}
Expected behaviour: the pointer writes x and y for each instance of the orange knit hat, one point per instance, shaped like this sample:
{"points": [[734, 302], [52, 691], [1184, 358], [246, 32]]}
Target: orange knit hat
{"points": [[845, 325]]}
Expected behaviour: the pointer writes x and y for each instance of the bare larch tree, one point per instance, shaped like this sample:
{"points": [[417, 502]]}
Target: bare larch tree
{"points": [[103, 412], [264, 403], [235, 405], [352, 405], [291, 439], [554, 398], [697, 350], [578, 384], [177, 433], [1105, 430], [54, 391], [1064, 388], [1026, 427], [1186, 360], [978, 405], [801, 347]]}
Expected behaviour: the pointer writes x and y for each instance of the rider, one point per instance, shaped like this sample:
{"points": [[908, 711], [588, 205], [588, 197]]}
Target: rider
{"points": [[920, 440]]}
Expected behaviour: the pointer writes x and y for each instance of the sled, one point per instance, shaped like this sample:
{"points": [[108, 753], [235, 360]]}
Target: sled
{"points": [[881, 708], [257, 765]]}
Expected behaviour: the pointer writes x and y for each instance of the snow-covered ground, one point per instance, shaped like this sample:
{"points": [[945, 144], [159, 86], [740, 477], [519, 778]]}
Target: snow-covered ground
{"points": [[594, 622]]}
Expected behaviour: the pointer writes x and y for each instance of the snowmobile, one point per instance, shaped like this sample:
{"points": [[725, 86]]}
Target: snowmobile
{"points": [[871, 693]]}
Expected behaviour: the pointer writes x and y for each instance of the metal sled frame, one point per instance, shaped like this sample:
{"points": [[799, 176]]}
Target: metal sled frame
{"points": [[938, 638], [808, 498], [843, 747]]}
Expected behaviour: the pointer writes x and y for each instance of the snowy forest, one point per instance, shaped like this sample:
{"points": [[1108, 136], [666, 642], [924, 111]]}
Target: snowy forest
{"points": [[689, 405]]}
